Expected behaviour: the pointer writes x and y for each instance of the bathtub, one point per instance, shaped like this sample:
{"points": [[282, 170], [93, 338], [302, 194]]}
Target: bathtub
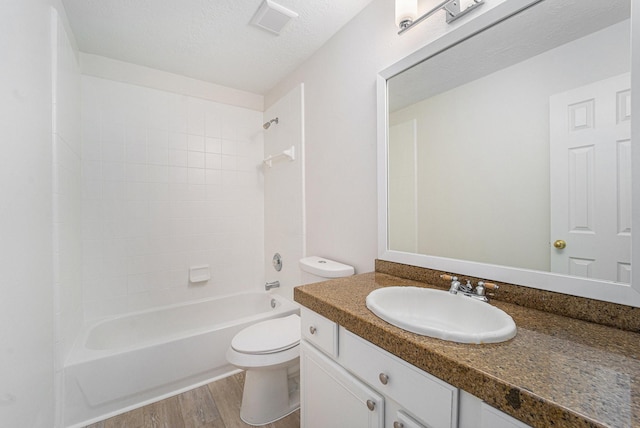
{"points": [[127, 361]]}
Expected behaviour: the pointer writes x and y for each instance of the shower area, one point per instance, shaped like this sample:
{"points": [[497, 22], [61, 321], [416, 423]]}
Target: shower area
{"points": [[157, 176]]}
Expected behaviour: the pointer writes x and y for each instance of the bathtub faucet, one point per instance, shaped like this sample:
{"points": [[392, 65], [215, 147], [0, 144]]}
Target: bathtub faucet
{"points": [[269, 285]]}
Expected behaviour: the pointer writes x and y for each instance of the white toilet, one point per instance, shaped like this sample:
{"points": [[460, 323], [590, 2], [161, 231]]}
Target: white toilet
{"points": [[269, 352]]}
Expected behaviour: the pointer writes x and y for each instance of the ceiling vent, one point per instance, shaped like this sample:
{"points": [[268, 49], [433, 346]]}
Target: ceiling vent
{"points": [[273, 17]]}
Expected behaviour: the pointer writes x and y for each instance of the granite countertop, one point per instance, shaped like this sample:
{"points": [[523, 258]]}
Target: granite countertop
{"points": [[557, 371]]}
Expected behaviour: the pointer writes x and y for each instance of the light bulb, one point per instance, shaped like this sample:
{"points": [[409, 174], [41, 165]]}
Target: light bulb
{"points": [[406, 12]]}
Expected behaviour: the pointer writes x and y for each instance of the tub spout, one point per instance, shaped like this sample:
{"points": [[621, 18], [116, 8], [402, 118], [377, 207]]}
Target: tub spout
{"points": [[269, 285]]}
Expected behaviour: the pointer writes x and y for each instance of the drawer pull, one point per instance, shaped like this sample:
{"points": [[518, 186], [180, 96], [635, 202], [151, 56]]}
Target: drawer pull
{"points": [[371, 405], [397, 424], [312, 330], [384, 379]]}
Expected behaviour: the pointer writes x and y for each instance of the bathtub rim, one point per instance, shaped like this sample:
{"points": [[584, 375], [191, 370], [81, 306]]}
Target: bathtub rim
{"points": [[79, 353]]}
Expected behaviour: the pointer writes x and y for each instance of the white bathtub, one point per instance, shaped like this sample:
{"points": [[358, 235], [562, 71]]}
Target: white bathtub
{"points": [[125, 362]]}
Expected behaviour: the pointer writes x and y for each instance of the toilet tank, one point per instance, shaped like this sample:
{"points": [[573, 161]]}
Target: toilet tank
{"points": [[316, 269]]}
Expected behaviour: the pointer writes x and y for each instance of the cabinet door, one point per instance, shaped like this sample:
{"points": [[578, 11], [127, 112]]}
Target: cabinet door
{"points": [[494, 418], [405, 421], [397, 417], [426, 397], [331, 397]]}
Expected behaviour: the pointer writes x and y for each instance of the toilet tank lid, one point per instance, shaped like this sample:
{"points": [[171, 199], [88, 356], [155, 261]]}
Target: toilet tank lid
{"points": [[325, 268]]}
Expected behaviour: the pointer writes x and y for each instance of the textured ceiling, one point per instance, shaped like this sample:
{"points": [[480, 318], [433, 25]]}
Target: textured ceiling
{"points": [[210, 40]]}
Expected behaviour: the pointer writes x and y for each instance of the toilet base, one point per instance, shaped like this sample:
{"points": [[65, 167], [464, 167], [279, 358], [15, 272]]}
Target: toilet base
{"points": [[270, 394]]}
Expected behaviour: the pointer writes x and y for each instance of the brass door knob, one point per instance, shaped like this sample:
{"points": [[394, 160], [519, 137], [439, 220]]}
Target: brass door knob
{"points": [[560, 244]]}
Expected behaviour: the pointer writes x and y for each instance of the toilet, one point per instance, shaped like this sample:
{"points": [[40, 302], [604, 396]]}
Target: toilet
{"points": [[269, 352]]}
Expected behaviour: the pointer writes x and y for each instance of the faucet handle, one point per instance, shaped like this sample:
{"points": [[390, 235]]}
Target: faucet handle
{"points": [[488, 285], [483, 286]]}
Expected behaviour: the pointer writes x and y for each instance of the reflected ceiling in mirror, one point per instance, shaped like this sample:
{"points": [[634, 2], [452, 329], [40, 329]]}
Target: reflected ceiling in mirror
{"points": [[517, 139]]}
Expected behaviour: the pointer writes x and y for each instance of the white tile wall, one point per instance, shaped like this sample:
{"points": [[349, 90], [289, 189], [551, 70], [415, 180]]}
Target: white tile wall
{"points": [[169, 181]]}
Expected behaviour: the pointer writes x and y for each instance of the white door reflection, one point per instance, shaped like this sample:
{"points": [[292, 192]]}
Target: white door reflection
{"points": [[590, 158]]}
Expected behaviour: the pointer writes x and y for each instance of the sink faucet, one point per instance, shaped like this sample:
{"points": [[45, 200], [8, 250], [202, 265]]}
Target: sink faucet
{"points": [[478, 293]]}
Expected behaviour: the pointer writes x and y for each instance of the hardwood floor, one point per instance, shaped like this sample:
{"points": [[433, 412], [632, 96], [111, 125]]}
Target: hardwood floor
{"points": [[216, 405]]}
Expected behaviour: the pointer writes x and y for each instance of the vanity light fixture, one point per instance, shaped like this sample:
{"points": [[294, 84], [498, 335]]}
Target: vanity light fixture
{"points": [[407, 15]]}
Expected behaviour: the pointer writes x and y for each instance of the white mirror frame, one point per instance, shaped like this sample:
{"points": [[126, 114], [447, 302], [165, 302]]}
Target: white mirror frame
{"points": [[594, 289]]}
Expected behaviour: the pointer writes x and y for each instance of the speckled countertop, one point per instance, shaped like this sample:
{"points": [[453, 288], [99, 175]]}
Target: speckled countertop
{"points": [[557, 371]]}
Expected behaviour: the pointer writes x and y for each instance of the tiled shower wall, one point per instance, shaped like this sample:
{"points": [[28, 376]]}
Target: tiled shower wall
{"points": [[168, 182]]}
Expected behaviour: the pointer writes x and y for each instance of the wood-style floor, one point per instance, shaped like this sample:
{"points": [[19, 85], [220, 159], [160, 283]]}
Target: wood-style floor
{"points": [[216, 405]]}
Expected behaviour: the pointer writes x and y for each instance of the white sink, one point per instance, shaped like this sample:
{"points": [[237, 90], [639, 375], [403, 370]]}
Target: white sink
{"points": [[440, 314]]}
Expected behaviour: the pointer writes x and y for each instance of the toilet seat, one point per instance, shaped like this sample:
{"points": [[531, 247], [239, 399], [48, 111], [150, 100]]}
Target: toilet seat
{"points": [[268, 344], [268, 337]]}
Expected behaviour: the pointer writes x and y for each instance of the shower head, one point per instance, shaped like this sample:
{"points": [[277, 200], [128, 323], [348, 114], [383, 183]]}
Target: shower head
{"points": [[266, 125]]}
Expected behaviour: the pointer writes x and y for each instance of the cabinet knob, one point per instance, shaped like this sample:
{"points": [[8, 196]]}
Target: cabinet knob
{"points": [[371, 405], [384, 379], [312, 330], [397, 424]]}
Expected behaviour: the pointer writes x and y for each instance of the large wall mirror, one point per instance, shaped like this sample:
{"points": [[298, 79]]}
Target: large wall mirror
{"points": [[505, 149]]}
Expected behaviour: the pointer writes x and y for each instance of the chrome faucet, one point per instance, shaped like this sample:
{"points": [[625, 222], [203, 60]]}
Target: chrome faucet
{"points": [[455, 284], [478, 293], [269, 285]]}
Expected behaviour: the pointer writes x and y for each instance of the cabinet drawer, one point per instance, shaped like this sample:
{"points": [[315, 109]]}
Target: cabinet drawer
{"points": [[320, 331], [427, 398]]}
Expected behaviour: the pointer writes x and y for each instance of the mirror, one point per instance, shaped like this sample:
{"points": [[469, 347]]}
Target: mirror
{"points": [[512, 136]]}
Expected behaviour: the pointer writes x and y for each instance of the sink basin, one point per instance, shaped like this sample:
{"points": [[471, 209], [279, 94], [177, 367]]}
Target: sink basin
{"points": [[440, 314]]}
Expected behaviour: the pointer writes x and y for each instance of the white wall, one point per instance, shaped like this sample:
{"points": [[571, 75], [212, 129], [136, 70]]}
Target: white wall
{"points": [[26, 256], [66, 199], [284, 187], [340, 128], [403, 186], [170, 181], [119, 71]]}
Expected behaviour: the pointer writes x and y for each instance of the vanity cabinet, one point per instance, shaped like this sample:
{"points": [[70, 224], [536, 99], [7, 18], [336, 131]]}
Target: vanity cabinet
{"points": [[331, 397], [429, 399], [347, 381], [494, 418]]}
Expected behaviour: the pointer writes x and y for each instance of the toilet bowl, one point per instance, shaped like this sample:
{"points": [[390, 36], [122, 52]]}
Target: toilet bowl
{"points": [[269, 352]]}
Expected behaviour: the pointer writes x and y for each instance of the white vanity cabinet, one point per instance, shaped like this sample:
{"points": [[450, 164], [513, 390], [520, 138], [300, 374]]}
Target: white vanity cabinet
{"points": [[331, 397], [347, 382], [430, 400], [494, 418]]}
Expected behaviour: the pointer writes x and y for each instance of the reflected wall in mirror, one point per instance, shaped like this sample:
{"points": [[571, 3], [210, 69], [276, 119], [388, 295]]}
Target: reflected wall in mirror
{"points": [[517, 139]]}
